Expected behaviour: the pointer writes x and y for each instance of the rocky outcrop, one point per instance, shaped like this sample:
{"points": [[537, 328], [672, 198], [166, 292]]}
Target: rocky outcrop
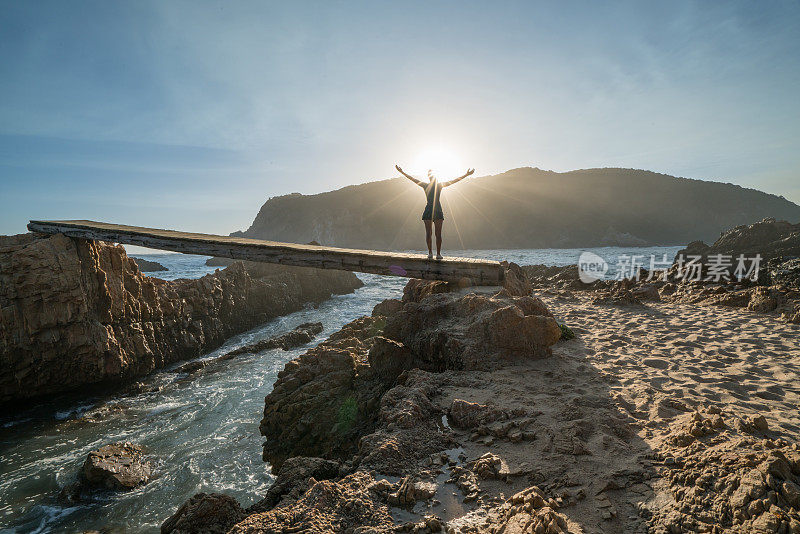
{"points": [[112, 467], [300, 335], [338, 392], [472, 331], [205, 513], [324, 399], [75, 312], [346, 505], [147, 266], [725, 473], [291, 481], [117, 466], [770, 238], [528, 511], [775, 290]]}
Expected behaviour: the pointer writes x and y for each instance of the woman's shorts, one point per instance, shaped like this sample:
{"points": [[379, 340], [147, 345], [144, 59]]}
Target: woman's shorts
{"points": [[431, 214]]}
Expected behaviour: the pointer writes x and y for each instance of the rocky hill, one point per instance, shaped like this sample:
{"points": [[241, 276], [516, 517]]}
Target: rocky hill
{"points": [[524, 208]]}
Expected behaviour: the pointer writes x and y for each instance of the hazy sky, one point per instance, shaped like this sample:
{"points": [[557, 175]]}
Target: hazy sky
{"points": [[190, 115]]}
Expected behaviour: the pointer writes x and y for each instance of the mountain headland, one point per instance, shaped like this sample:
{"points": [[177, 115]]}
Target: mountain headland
{"points": [[524, 208]]}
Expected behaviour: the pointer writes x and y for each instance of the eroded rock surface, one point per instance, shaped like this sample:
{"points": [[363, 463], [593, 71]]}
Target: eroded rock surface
{"points": [[205, 513], [291, 480], [117, 466], [346, 505], [326, 399], [471, 331], [725, 474], [76, 312]]}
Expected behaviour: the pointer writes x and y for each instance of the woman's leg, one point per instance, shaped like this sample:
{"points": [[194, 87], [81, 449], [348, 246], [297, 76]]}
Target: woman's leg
{"points": [[438, 237], [428, 235]]}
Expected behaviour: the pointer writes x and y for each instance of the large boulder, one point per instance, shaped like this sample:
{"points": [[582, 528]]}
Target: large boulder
{"points": [[769, 238], [117, 466], [387, 307], [388, 358], [473, 331], [323, 399]]}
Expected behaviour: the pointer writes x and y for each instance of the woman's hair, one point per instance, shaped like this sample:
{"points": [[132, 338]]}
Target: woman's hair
{"points": [[430, 174]]}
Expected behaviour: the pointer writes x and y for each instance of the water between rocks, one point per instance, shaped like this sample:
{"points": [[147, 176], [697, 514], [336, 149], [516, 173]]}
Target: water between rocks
{"points": [[202, 431]]}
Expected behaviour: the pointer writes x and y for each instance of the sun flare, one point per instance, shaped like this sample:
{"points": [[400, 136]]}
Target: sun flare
{"points": [[443, 162]]}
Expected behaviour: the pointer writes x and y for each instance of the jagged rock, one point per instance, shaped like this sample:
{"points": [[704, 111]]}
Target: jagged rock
{"points": [[514, 280], [487, 466], [408, 426], [763, 300], [732, 482], [323, 399], [387, 307], [529, 511], [468, 415], [292, 480], [646, 292], [448, 331], [466, 481], [204, 513], [346, 505], [117, 466], [416, 290], [300, 335], [147, 266], [388, 359], [410, 491], [96, 319], [754, 425]]}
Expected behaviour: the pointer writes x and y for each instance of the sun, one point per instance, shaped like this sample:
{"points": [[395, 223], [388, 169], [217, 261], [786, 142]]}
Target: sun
{"points": [[443, 162]]}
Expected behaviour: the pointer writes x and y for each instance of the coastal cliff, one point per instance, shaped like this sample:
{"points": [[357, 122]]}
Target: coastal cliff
{"points": [[75, 313]]}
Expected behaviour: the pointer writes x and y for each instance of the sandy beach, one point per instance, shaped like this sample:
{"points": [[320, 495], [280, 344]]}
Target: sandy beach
{"points": [[613, 405]]}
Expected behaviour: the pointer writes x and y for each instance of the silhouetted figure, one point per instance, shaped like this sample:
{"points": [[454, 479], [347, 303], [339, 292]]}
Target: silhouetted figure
{"points": [[433, 215]]}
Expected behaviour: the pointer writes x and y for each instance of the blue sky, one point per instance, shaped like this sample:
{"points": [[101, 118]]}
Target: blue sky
{"points": [[189, 115]]}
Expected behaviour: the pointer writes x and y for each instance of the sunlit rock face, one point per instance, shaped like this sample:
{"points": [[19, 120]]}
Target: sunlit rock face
{"points": [[76, 312]]}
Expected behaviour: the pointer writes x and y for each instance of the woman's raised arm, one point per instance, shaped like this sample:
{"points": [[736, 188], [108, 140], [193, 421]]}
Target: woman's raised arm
{"points": [[454, 180], [401, 171]]}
